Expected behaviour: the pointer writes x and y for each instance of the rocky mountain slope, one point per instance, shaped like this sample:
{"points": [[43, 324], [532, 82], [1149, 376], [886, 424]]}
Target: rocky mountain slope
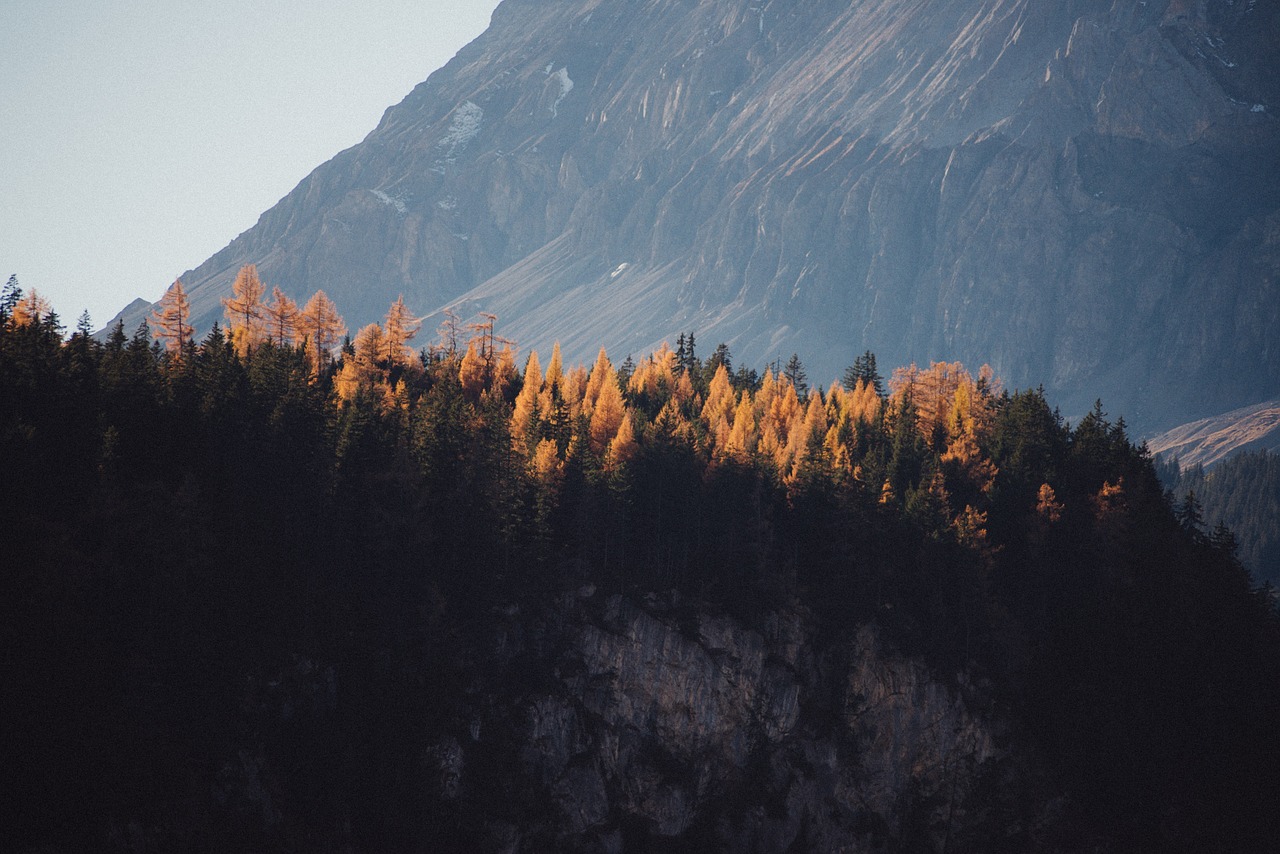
{"points": [[1082, 194], [1209, 440]]}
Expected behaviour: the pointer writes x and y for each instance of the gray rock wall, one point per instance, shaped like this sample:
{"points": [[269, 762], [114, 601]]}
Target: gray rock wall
{"points": [[658, 720]]}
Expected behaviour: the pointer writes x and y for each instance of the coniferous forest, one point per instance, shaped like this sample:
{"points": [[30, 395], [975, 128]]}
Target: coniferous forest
{"points": [[1241, 494], [252, 585]]}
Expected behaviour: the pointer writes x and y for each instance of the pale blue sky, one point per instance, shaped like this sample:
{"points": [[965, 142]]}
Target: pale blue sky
{"points": [[139, 137]]}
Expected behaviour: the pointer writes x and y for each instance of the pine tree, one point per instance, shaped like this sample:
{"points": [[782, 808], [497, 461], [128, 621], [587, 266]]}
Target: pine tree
{"points": [[9, 297], [721, 356], [172, 319], [864, 370], [625, 371], [1191, 515], [794, 372], [691, 363]]}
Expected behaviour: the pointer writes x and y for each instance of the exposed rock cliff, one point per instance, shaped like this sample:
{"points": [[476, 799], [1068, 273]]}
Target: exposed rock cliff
{"points": [[1082, 194], [662, 721]]}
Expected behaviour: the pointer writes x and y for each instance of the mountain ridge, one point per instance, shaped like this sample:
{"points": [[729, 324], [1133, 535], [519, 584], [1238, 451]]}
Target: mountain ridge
{"points": [[1211, 440]]}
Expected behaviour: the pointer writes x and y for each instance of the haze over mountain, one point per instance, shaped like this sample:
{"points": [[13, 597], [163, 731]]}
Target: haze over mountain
{"points": [[1082, 194]]}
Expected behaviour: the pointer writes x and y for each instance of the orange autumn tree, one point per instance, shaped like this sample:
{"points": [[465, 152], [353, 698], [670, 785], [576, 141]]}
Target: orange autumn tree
{"points": [[172, 320], [244, 310], [31, 309], [281, 318], [399, 327], [319, 327]]}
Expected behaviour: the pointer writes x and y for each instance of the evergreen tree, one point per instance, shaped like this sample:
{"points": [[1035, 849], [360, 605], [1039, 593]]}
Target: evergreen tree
{"points": [[795, 372], [864, 370], [625, 371], [721, 356], [9, 297]]}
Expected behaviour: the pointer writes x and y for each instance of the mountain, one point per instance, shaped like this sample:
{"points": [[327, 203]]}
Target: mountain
{"points": [[1082, 194], [1210, 440]]}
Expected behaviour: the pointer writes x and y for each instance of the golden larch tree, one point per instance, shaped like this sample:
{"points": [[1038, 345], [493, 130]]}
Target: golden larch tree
{"points": [[471, 373], [244, 310], [31, 309], [721, 401], [546, 464], [555, 368], [361, 371], [171, 321], [606, 417], [743, 435], [281, 317], [505, 370], [623, 448], [398, 329], [1047, 507], [319, 326], [524, 417], [552, 383], [600, 371]]}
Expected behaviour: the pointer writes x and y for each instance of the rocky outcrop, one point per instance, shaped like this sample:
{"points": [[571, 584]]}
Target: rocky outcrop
{"points": [[1082, 194], [659, 721]]}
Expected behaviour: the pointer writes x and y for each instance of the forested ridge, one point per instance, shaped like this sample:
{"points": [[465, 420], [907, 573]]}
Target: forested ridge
{"points": [[1240, 493], [247, 580]]}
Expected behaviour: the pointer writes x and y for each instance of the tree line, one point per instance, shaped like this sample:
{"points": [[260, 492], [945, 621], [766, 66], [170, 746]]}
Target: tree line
{"points": [[187, 518]]}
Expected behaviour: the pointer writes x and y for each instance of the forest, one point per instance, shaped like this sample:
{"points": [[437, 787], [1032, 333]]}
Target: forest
{"points": [[188, 520], [1242, 493]]}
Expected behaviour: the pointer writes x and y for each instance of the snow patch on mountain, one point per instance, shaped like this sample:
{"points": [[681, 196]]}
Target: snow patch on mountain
{"points": [[566, 86], [397, 201], [467, 119]]}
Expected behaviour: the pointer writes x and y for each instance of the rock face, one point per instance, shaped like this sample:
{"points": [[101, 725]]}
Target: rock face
{"points": [[1083, 194], [660, 721]]}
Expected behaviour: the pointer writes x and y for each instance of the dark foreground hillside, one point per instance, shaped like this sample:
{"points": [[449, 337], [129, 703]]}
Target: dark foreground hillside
{"points": [[258, 601]]}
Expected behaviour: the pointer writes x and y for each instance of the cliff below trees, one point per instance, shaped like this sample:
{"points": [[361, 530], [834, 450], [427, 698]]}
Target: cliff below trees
{"points": [[1081, 194], [665, 721]]}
